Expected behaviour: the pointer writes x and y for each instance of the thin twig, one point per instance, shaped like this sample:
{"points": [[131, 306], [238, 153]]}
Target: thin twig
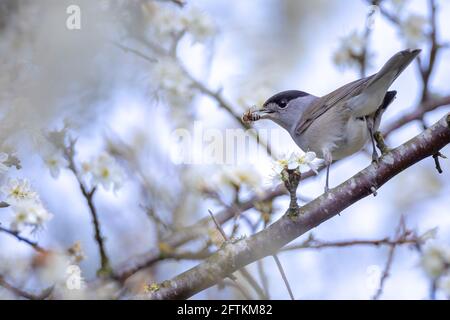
{"points": [[253, 283], [236, 285], [16, 234], [25, 294], [399, 234], [105, 268], [317, 244], [136, 52], [437, 163], [263, 278], [283, 275], [242, 271], [218, 226]]}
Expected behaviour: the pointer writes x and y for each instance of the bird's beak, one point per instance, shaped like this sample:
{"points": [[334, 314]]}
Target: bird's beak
{"points": [[263, 113], [257, 114]]}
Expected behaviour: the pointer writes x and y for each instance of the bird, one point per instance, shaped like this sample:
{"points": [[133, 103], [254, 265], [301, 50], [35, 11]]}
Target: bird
{"points": [[340, 123]]}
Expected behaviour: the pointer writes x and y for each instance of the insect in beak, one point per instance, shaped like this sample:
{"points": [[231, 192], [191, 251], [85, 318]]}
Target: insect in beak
{"points": [[255, 114]]}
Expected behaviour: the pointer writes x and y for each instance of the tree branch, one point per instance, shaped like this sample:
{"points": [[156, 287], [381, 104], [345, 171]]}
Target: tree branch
{"points": [[25, 294], [401, 232], [267, 242], [31, 243], [105, 269]]}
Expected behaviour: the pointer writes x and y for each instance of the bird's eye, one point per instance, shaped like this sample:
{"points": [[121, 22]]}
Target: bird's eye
{"points": [[283, 103]]}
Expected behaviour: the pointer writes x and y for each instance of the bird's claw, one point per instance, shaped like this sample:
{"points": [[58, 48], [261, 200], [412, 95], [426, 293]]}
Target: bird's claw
{"points": [[375, 158]]}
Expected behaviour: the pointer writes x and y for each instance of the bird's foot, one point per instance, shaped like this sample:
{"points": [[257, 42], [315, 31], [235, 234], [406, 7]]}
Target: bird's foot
{"points": [[380, 143], [375, 157]]}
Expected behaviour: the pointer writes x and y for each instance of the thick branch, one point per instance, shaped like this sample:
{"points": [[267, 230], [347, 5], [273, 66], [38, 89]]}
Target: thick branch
{"points": [[268, 241]]}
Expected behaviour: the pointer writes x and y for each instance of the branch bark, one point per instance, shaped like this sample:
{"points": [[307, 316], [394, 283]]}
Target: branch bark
{"points": [[267, 242]]}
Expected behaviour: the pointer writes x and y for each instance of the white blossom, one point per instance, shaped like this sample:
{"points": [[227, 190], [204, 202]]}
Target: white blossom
{"points": [[238, 176], [350, 47], [198, 24], [25, 203], [55, 160], [19, 190], [296, 160], [105, 171], [175, 85], [303, 161], [435, 259], [414, 29], [309, 161], [164, 19], [29, 213]]}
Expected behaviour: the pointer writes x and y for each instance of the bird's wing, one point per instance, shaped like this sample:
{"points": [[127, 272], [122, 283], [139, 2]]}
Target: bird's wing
{"points": [[338, 97]]}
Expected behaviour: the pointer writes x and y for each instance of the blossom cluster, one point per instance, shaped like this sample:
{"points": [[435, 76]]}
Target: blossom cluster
{"points": [[26, 205], [302, 162], [105, 171], [17, 193], [350, 49], [413, 29], [166, 21], [53, 151], [101, 170], [173, 84], [167, 25]]}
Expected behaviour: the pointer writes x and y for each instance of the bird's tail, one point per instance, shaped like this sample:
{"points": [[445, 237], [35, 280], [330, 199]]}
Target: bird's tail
{"points": [[392, 69]]}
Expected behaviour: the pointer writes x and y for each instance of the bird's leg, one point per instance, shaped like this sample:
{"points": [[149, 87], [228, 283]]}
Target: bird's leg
{"points": [[380, 142], [370, 125], [327, 188], [328, 160]]}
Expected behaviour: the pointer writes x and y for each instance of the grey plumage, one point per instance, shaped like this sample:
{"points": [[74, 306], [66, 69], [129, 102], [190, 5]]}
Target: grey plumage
{"points": [[338, 124]]}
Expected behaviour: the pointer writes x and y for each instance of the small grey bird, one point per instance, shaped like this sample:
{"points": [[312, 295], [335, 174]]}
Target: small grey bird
{"points": [[338, 124]]}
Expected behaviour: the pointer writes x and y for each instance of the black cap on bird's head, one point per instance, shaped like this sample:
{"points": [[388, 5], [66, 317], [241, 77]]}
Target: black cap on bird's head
{"points": [[282, 98], [284, 107]]}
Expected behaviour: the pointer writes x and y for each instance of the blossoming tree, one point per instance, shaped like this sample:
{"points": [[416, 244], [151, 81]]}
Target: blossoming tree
{"points": [[97, 108]]}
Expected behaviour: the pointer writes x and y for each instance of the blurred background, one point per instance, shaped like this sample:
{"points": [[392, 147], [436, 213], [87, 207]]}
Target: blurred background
{"points": [[113, 80]]}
